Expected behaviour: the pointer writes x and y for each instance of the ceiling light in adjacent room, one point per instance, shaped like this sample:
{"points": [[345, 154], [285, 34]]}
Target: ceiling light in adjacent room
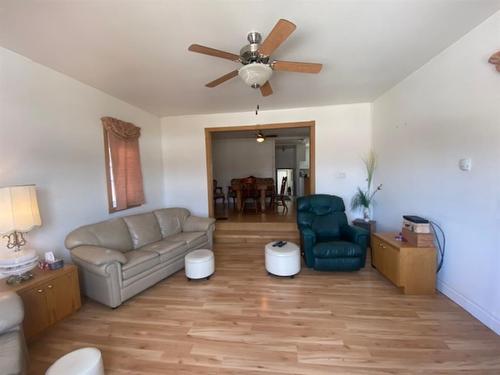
{"points": [[260, 137]]}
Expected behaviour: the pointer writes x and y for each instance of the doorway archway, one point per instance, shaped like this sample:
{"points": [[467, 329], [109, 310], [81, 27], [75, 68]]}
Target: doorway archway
{"points": [[209, 132]]}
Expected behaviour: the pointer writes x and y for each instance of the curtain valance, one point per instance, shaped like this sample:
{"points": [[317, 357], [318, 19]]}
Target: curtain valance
{"points": [[125, 130]]}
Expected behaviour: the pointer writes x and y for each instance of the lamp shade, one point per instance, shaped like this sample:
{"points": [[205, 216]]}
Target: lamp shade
{"points": [[18, 209], [255, 74]]}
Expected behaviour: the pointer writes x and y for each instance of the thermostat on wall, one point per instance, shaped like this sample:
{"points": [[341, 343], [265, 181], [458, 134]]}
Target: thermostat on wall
{"points": [[465, 164]]}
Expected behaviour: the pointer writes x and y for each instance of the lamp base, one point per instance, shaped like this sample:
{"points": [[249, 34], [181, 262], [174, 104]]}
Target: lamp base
{"points": [[17, 265], [18, 279]]}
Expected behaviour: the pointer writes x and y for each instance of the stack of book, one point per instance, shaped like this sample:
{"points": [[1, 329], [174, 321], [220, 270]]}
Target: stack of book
{"points": [[417, 231]]}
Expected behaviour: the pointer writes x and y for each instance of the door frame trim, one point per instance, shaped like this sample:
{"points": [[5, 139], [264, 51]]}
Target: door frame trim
{"points": [[281, 125]]}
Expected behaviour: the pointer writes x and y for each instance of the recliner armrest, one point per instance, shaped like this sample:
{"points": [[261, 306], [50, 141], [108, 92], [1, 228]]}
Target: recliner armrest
{"points": [[354, 234], [197, 224], [11, 311], [308, 240], [98, 255], [308, 235]]}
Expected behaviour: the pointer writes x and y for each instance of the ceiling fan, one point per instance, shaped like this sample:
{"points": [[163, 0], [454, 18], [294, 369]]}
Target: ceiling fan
{"points": [[260, 137], [258, 66]]}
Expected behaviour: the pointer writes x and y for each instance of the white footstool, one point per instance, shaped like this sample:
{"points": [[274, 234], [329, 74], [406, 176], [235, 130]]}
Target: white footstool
{"points": [[85, 361], [283, 261], [199, 264]]}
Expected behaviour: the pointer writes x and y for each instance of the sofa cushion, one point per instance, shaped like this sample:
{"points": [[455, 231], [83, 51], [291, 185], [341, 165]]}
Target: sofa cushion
{"points": [[167, 249], [171, 220], [191, 238], [144, 229], [139, 261], [113, 234], [337, 249], [12, 354]]}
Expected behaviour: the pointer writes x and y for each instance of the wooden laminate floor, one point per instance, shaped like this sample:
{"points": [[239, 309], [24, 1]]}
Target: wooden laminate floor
{"points": [[271, 215], [243, 321]]}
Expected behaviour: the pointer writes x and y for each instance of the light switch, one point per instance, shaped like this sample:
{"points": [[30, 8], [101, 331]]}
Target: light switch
{"points": [[465, 164]]}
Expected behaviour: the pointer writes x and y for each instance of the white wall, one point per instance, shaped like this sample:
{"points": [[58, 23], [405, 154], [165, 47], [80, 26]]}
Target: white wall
{"points": [[237, 158], [52, 136], [286, 156], [447, 110], [343, 136]]}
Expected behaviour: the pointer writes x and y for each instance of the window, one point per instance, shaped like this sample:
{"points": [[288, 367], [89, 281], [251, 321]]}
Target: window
{"points": [[123, 164]]}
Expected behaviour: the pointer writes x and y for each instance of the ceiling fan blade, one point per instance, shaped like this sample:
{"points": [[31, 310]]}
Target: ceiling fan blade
{"points": [[298, 67], [213, 52], [266, 89], [278, 35], [222, 79]]}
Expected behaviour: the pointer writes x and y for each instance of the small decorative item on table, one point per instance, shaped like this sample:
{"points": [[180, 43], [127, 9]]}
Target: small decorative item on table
{"points": [[50, 262]]}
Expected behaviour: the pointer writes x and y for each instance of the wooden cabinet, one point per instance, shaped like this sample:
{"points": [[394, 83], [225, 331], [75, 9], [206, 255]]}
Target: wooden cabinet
{"points": [[411, 268], [48, 298]]}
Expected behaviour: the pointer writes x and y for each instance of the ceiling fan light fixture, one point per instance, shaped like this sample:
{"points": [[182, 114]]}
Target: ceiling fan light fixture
{"points": [[255, 74], [260, 137]]}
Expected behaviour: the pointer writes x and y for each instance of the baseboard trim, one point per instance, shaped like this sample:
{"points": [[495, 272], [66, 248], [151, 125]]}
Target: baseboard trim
{"points": [[473, 308]]}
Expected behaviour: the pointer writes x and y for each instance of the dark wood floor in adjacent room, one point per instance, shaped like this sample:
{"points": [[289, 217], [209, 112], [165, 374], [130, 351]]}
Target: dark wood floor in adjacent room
{"points": [[243, 321]]}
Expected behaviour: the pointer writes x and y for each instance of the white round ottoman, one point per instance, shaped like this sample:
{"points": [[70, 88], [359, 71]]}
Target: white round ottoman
{"points": [[199, 264], [85, 361], [283, 261]]}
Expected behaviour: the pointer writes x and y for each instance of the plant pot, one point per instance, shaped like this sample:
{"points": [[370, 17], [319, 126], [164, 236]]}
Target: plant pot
{"points": [[366, 214]]}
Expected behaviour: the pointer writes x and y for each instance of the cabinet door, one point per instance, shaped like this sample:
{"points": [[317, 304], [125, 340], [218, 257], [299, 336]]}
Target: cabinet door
{"points": [[36, 312], [391, 263], [378, 254], [61, 296]]}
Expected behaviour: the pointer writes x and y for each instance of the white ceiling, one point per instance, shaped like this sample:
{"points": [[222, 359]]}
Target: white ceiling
{"points": [[136, 50]]}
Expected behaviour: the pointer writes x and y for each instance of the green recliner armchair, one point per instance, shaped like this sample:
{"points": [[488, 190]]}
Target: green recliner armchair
{"points": [[328, 241]]}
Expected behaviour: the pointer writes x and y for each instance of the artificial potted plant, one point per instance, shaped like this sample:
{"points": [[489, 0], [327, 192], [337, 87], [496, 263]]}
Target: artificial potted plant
{"points": [[363, 199]]}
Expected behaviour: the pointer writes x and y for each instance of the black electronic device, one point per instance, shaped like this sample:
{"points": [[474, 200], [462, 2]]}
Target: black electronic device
{"points": [[416, 219]]}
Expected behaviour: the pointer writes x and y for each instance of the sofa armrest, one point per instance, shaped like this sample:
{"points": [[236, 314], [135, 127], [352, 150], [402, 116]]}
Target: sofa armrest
{"points": [[98, 256], [308, 240], [11, 311], [354, 234], [197, 224]]}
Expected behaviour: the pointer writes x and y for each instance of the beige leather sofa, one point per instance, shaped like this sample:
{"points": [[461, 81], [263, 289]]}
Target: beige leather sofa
{"points": [[121, 257], [12, 346]]}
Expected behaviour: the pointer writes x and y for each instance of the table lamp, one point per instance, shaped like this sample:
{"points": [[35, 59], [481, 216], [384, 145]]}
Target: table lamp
{"points": [[18, 214]]}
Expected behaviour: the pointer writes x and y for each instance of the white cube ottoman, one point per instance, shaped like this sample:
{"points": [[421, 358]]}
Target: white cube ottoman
{"points": [[199, 264], [283, 261], [85, 361]]}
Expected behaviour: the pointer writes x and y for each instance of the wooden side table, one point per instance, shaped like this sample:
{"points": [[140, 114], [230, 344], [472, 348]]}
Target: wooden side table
{"points": [[48, 298], [371, 227], [411, 268]]}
